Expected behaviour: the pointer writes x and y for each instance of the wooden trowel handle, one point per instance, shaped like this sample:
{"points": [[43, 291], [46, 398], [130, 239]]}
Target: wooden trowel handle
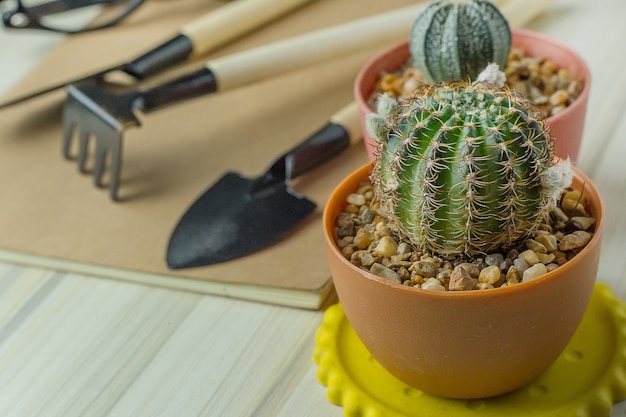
{"points": [[212, 30]]}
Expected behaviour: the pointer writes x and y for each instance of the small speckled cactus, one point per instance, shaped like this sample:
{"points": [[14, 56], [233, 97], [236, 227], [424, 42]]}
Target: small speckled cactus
{"points": [[464, 169], [456, 39]]}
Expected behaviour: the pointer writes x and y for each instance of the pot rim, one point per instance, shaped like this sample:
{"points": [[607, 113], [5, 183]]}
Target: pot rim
{"points": [[517, 33], [358, 175]]}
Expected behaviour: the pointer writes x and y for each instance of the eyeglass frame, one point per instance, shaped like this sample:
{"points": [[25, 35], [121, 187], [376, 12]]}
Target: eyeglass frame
{"points": [[34, 14]]}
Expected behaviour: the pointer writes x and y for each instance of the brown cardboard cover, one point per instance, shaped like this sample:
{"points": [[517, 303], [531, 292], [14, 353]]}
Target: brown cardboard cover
{"points": [[51, 212]]}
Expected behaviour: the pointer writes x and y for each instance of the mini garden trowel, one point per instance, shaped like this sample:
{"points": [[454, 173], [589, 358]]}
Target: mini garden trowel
{"points": [[238, 215]]}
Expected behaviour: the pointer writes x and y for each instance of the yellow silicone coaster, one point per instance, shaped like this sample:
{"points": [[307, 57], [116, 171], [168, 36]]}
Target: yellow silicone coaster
{"points": [[585, 381]]}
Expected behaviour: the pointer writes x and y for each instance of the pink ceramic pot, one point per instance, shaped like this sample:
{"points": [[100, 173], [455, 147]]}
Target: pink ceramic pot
{"points": [[566, 127], [469, 344]]}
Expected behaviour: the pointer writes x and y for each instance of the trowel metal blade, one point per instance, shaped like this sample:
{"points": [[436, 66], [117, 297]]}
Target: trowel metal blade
{"points": [[228, 222]]}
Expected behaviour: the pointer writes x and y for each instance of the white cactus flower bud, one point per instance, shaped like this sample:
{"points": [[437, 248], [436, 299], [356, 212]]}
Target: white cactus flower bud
{"points": [[492, 75], [386, 105], [556, 179], [377, 126]]}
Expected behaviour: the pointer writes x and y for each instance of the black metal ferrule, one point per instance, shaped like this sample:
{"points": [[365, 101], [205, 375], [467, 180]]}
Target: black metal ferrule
{"points": [[195, 84], [171, 52], [318, 148]]}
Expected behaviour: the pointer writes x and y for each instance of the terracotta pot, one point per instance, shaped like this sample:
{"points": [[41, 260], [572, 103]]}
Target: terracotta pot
{"points": [[469, 344], [566, 127]]}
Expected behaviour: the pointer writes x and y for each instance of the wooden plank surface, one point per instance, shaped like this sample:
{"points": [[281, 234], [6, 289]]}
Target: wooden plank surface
{"points": [[73, 345]]}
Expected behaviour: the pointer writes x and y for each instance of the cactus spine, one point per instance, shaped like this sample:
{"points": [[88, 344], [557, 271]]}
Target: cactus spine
{"points": [[463, 169], [456, 39]]}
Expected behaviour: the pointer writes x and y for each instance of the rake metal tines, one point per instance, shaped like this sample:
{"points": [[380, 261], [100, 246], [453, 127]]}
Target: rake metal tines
{"points": [[93, 116], [103, 111]]}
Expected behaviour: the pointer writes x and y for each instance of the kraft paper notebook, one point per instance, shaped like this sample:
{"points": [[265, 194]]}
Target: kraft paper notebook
{"points": [[52, 216]]}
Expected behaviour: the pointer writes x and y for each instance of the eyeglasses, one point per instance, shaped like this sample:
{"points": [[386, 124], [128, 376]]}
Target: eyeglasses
{"points": [[65, 16]]}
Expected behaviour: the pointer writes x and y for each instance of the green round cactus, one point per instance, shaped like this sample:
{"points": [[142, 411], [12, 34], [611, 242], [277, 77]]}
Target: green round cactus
{"points": [[456, 39], [464, 169]]}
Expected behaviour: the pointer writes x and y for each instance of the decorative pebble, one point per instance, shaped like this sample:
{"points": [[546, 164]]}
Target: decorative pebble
{"points": [[506, 264], [559, 215], [404, 248], [560, 257], [549, 241], [384, 272], [461, 280], [364, 236], [494, 259], [512, 276], [484, 286], [351, 208], [559, 97], [535, 246], [471, 268], [346, 229], [356, 199], [534, 271], [368, 216], [426, 269], [546, 258], [386, 246], [520, 265], [444, 277], [364, 258], [573, 208], [433, 284], [583, 222], [348, 251], [490, 275], [529, 256], [545, 228], [512, 254], [575, 240], [576, 196], [575, 87], [416, 279], [399, 260]]}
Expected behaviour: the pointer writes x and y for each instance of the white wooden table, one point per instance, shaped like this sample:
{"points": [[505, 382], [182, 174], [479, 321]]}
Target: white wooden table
{"points": [[74, 345]]}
